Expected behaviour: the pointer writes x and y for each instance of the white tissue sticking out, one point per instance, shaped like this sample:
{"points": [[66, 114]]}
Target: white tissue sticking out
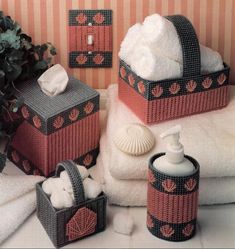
{"points": [[54, 80], [61, 199], [52, 184], [92, 188], [123, 223]]}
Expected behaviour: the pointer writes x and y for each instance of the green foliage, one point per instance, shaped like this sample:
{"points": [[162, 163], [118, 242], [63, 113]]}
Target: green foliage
{"points": [[20, 60]]}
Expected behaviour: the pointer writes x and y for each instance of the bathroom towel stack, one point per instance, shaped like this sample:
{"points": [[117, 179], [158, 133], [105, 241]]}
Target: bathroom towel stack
{"points": [[208, 137]]}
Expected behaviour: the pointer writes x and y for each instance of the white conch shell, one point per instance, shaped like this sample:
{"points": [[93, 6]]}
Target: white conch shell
{"points": [[134, 139]]}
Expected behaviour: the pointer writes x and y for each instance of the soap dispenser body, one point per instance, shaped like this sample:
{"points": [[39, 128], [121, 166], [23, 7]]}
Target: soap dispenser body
{"points": [[172, 202]]}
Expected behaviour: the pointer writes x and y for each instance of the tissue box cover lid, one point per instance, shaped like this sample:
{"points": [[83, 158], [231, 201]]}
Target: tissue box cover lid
{"points": [[49, 114]]}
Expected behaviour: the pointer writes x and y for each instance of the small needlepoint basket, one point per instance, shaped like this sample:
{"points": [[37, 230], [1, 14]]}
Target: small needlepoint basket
{"points": [[57, 128], [85, 218], [172, 203], [156, 101]]}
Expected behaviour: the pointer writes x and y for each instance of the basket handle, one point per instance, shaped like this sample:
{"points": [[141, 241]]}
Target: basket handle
{"points": [[189, 43], [75, 179]]}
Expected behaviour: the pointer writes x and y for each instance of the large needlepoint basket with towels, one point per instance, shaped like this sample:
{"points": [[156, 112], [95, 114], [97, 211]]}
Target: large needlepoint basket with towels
{"points": [[56, 128], [66, 225], [194, 93]]}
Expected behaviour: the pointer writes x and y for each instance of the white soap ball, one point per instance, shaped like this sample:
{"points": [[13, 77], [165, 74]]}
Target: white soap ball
{"points": [[61, 199], [83, 171], [51, 184], [123, 223], [92, 188]]}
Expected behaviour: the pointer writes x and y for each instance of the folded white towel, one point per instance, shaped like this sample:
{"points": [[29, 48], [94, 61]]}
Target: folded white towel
{"points": [[153, 66], [216, 190], [208, 137]]}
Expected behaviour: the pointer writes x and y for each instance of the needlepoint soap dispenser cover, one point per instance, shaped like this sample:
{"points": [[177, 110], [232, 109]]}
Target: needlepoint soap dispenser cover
{"points": [[172, 199]]}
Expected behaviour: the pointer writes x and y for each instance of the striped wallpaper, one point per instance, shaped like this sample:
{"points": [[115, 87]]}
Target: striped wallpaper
{"points": [[46, 20]]}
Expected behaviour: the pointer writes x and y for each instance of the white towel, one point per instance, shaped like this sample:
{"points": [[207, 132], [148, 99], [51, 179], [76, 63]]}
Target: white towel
{"points": [[153, 66], [134, 192], [208, 137]]}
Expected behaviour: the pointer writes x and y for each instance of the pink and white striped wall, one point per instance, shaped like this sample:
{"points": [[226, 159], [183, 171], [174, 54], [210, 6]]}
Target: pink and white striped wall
{"points": [[46, 20]]}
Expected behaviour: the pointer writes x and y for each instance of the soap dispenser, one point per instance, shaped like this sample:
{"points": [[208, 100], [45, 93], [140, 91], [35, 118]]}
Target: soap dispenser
{"points": [[173, 182]]}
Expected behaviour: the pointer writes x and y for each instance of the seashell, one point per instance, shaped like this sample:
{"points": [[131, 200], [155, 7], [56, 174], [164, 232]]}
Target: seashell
{"points": [[81, 18], [151, 177], [169, 185], [58, 122], [141, 87], [25, 112], [98, 59], [36, 172], [74, 114], [37, 122], [15, 157], [134, 139], [149, 221], [157, 91], [167, 231], [81, 224], [187, 231], [123, 72], [81, 59], [131, 80], [207, 83], [190, 184], [174, 88], [191, 85], [89, 108], [26, 166], [88, 160], [98, 18], [221, 79]]}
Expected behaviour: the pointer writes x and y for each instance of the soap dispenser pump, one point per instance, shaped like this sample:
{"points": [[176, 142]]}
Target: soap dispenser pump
{"points": [[174, 162], [173, 187]]}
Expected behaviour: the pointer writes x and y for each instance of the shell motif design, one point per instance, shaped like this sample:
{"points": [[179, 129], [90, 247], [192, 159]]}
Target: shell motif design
{"points": [[157, 91], [187, 231], [174, 88], [149, 222], [73, 115], [167, 231], [99, 18], [169, 185], [221, 79], [26, 165], [88, 160], [131, 80], [36, 172], [81, 59], [81, 18], [98, 59], [15, 157], [141, 87], [190, 184], [191, 85], [25, 112], [58, 122], [89, 107], [207, 83], [123, 72], [151, 177], [37, 122], [81, 224]]}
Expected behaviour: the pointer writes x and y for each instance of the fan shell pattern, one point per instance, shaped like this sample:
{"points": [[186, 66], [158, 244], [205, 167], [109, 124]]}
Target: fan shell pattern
{"points": [[83, 223], [169, 185], [187, 231], [190, 184], [88, 160], [167, 231]]}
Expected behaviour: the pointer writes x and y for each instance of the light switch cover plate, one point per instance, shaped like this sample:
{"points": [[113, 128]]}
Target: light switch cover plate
{"points": [[90, 38]]}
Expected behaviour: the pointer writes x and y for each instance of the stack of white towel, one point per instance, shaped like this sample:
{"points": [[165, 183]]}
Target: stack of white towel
{"points": [[208, 137], [153, 51]]}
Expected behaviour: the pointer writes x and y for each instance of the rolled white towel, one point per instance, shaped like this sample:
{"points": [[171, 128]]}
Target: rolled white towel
{"points": [[154, 67], [129, 42], [66, 180], [51, 184], [123, 223], [61, 199], [92, 188]]}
